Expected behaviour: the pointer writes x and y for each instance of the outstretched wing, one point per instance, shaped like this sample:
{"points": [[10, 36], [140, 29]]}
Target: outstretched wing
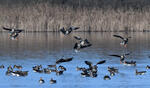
{"points": [[68, 59], [77, 38], [88, 63], [84, 46], [118, 36], [127, 54], [75, 46], [115, 55], [8, 29], [86, 41], [59, 61], [18, 30], [101, 62], [74, 28], [63, 30]]}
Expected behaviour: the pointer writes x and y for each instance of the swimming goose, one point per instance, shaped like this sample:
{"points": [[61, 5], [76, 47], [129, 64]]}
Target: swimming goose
{"points": [[140, 72], [106, 77], [51, 66], [14, 36], [52, 81], [147, 67], [1, 66], [113, 69], [59, 72], [130, 63], [38, 69], [69, 30], [17, 66], [64, 60], [124, 40], [80, 68], [41, 81], [62, 68], [20, 73], [46, 71]]}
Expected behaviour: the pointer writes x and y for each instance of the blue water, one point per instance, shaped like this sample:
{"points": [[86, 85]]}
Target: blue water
{"points": [[46, 48]]}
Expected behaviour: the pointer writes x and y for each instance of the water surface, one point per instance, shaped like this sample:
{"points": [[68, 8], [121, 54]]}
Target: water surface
{"points": [[45, 48]]}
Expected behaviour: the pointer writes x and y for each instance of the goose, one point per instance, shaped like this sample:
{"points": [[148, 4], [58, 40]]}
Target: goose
{"points": [[20, 73], [14, 33], [113, 69], [12, 30], [106, 77], [69, 30], [124, 40], [17, 66], [64, 60], [140, 72], [14, 36], [2, 66], [47, 71], [51, 66], [82, 43], [62, 68], [41, 81], [52, 81], [122, 57], [147, 67], [130, 63]]}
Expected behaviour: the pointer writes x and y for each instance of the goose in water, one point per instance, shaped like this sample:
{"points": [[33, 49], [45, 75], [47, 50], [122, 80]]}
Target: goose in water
{"points": [[139, 72], [69, 30], [124, 40], [64, 60], [82, 43]]}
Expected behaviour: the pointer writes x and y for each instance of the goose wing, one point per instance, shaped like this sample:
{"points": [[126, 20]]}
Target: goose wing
{"points": [[18, 30], [84, 46], [63, 30], [8, 29], [88, 63], [68, 59], [74, 28], [59, 61], [76, 46], [118, 36], [77, 38], [101, 62], [115, 55]]}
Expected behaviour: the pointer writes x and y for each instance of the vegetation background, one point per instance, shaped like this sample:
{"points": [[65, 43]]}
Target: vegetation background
{"points": [[89, 15]]}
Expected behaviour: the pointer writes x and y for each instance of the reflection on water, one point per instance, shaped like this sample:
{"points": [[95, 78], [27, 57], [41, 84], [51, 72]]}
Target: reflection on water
{"points": [[45, 48]]}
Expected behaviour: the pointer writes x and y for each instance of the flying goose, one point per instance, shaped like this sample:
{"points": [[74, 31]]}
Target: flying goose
{"points": [[124, 40], [69, 30], [122, 57], [14, 33], [12, 30], [82, 43]]}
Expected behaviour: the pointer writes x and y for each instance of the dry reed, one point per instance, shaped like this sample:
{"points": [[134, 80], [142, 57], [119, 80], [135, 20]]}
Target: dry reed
{"points": [[52, 15]]}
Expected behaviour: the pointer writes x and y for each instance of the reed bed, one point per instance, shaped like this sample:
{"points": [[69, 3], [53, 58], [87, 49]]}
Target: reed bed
{"points": [[41, 16]]}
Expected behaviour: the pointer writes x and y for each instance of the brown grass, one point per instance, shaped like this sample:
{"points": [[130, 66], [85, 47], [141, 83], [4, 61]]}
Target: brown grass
{"points": [[43, 16]]}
